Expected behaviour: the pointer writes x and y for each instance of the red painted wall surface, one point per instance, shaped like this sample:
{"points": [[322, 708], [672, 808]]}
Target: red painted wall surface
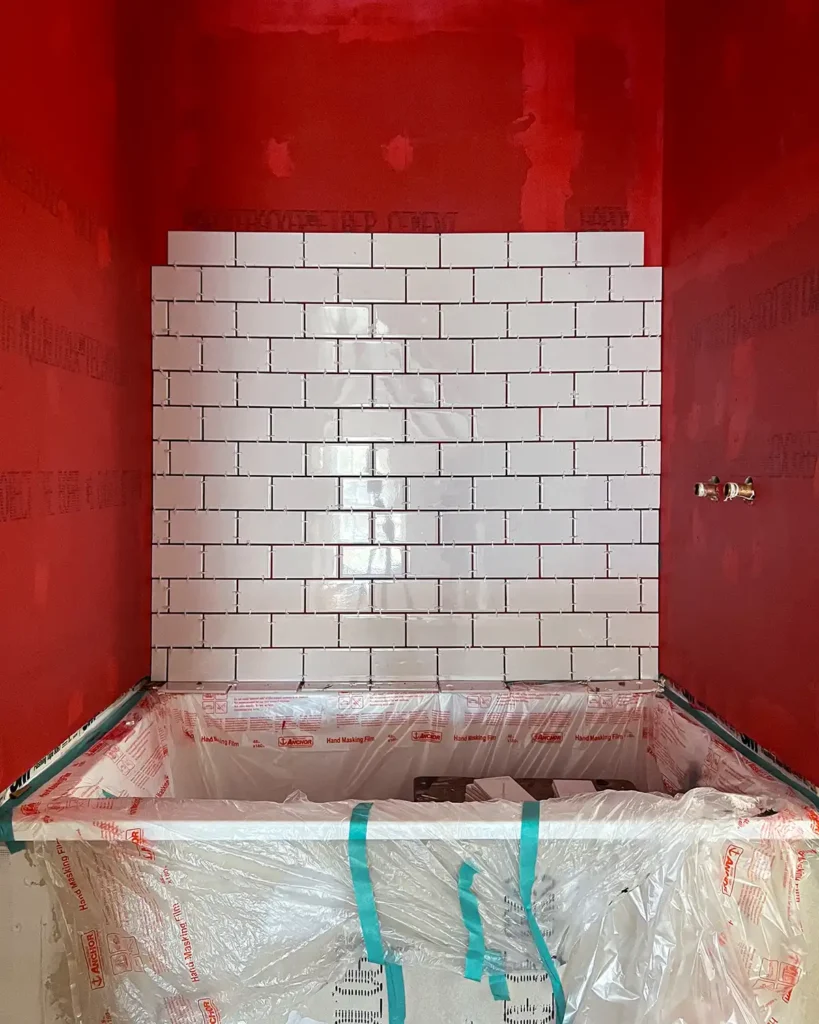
{"points": [[411, 115], [74, 386], [739, 584]]}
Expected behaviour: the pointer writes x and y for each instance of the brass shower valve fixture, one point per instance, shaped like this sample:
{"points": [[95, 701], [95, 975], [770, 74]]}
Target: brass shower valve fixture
{"points": [[708, 490], [744, 491]]}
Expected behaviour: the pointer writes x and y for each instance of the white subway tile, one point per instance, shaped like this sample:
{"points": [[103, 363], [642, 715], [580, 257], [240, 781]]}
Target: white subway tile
{"points": [[472, 321], [653, 318], [202, 596], [574, 354], [198, 318], [542, 320], [540, 389], [270, 319], [200, 666], [271, 527], [372, 286], [327, 321], [636, 630], [511, 492], [273, 666], [176, 561], [303, 356], [539, 595], [576, 284], [405, 596], [506, 424], [580, 629], [472, 596], [223, 424], [201, 457], [338, 527], [567, 561], [439, 425], [264, 458], [159, 317], [635, 424], [237, 493], [177, 353], [339, 595], [610, 248], [652, 388], [634, 492], [160, 527], [649, 596], [405, 527], [176, 282], [633, 560], [506, 631], [634, 354], [469, 663], [237, 630], [372, 630], [437, 562], [271, 595], [538, 665], [406, 459], [381, 561], [162, 457], [610, 318], [202, 527], [610, 388], [442, 493], [372, 356], [202, 248], [270, 248], [406, 321], [176, 630], [474, 250], [270, 389], [650, 527], [574, 492], [303, 285], [500, 285], [305, 630], [539, 527], [405, 390], [607, 595], [607, 527], [472, 459], [540, 457], [373, 492], [649, 663], [573, 424], [502, 356], [542, 248], [402, 665], [372, 425], [177, 424], [327, 390], [339, 459], [507, 561], [178, 492], [202, 388], [439, 286], [338, 249], [227, 355], [349, 666], [608, 457], [236, 284], [473, 527], [304, 424], [440, 356], [469, 390], [605, 663], [636, 283], [160, 595], [406, 250], [299, 562], [439, 630], [235, 561], [304, 495]]}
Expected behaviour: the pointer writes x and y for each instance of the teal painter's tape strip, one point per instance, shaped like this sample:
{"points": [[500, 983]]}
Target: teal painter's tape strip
{"points": [[477, 958]]}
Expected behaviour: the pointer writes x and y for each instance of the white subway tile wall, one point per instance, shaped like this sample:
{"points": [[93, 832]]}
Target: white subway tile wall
{"points": [[421, 458]]}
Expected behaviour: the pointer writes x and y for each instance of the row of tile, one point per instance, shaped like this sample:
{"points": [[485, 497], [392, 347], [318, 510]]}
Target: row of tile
{"points": [[497, 249], [257, 284], [301, 318], [291, 390], [569, 629], [533, 595], [351, 666]]}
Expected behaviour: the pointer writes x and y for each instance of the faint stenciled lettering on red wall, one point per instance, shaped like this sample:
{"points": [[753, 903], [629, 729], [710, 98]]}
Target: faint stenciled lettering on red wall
{"points": [[31, 494], [405, 221]]}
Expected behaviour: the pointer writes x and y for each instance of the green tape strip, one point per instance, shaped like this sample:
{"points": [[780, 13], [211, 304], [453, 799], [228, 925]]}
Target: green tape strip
{"points": [[92, 736], [368, 915], [529, 831], [477, 957]]}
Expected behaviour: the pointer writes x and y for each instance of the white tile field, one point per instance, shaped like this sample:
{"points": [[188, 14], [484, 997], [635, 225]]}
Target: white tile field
{"points": [[420, 458]]}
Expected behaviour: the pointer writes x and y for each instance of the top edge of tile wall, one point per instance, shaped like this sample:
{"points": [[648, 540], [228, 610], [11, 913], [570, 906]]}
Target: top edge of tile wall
{"points": [[320, 249]]}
